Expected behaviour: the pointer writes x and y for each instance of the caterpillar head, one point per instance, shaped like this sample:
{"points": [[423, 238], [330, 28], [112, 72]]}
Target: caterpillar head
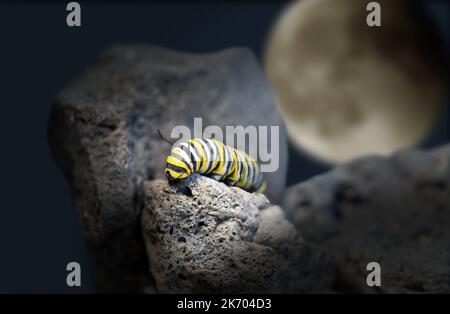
{"points": [[179, 165]]}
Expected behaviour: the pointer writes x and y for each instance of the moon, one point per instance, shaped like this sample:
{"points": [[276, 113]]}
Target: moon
{"points": [[346, 89]]}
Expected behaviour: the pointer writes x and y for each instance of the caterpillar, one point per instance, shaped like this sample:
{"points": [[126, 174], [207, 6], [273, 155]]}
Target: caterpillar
{"points": [[216, 160]]}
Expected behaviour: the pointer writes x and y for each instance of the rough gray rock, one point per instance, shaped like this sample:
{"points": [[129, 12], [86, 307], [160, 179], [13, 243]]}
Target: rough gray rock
{"points": [[204, 237], [395, 211], [103, 131]]}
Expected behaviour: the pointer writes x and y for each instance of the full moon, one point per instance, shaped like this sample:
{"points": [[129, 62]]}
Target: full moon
{"points": [[346, 89]]}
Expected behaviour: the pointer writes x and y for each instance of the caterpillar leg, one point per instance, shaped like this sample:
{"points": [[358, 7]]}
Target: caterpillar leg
{"points": [[216, 177], [229, 182]]}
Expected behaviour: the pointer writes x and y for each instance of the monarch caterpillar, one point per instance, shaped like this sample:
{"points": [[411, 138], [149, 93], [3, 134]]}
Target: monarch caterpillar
{"points": [[215, 160]]}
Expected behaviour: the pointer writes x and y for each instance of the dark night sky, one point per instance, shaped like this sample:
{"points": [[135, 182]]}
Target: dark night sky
{"points": [[39, 230]]}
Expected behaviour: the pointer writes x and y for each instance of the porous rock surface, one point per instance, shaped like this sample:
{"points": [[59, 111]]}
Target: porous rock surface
{"points": [[103, 134], [394, 211], [205, 237]]}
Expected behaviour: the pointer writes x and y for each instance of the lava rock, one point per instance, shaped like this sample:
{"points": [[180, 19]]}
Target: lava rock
{"points": [[205, 237], [394, 211], [103, 130]]}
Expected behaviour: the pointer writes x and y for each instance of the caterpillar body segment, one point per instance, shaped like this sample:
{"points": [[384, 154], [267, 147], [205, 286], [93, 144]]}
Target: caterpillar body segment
{"points": [[216, 160]]}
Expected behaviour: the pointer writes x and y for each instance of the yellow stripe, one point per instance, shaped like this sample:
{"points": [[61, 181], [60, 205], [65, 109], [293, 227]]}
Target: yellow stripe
{"points": [[215, 159], [242, 179], [234, 172], [176, 175], [250, 169], [262, 187], [255, 172], [176, 162], [199, 161], [179, 154], [233, 161], [219, 169], [202, 161]]}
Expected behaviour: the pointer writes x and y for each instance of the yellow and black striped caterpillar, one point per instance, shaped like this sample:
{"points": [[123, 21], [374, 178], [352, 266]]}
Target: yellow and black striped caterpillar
{"points": [[216, 160]]}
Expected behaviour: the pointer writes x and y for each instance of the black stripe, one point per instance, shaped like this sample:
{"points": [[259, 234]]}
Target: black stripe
{"points": [[212, 157], [227, 151], [204, 160], [249, 169], [198, 155], [242, 167], [225, 160], [234, 162], [217, 147], [180, 158], [252, 166], [238, 165], [259, 182], [258, 177], [193, 160], [175, 168]]}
